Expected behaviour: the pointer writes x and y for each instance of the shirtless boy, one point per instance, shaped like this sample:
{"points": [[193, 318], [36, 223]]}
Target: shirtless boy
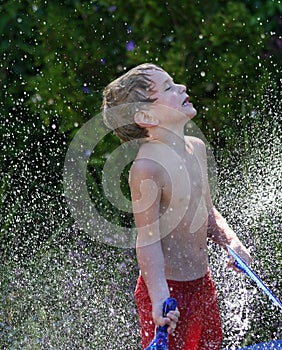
{"points": [[173, 210]]}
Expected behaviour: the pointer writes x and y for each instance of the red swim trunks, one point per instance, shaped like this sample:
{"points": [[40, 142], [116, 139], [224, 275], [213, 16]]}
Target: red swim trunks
{"points": [[199, 325]]}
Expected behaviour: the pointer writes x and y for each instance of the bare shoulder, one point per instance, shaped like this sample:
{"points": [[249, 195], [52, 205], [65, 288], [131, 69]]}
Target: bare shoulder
{"points": [[146, 165], [195, 144], [145, 179], [145, 168], [195, 141]]}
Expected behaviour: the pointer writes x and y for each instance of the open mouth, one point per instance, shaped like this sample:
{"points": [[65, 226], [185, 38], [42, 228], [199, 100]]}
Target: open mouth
{"points": [[186, 101]]}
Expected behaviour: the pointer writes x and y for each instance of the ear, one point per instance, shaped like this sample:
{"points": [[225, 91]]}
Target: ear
{"points": [[145, 119]]}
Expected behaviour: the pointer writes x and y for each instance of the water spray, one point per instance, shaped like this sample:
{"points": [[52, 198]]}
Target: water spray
{"points": [[241, 265]]}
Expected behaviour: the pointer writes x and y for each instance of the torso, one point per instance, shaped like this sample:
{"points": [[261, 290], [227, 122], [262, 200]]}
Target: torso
{"points": [[183, 208]]}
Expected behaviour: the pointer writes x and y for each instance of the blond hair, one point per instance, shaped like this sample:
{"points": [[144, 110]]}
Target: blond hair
{"points": [[127, 92]]}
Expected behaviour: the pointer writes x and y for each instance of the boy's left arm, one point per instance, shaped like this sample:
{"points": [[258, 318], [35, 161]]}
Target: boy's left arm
{"points": [[220, 232]]}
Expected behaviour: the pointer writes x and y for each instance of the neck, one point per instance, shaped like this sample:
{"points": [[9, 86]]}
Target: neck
{"points": [[173, 138]]}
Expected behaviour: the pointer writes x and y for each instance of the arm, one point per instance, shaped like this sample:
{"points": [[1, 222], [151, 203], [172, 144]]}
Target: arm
{"points": [[146, 188], [222, 234]]}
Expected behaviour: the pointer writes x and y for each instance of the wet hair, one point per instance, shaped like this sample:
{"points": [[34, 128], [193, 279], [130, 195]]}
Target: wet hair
{"points": [[130, 92]]}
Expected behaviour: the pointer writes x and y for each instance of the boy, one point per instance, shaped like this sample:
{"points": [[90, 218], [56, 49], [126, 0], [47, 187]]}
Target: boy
{"points": [[172, 208]]}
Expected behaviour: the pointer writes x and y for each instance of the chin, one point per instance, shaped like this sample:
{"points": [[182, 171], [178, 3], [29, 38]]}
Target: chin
{"points": [[192, 113]]}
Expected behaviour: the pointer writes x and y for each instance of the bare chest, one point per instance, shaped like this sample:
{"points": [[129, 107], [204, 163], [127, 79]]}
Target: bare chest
{"points": [[185, 181], [184, 195]]}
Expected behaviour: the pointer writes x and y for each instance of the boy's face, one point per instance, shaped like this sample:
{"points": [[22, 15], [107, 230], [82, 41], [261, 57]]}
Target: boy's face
{"points": [[170, 94]]}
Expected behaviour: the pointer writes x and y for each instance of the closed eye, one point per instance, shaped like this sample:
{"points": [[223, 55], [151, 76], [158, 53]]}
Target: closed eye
{"points": [[168, 88]]}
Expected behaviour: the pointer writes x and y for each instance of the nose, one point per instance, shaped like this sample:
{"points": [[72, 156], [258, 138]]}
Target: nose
{"points": [[182, 88]]}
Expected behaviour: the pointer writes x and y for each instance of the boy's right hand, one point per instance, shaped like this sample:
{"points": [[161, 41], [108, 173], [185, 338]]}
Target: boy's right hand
{"points": [[171, 318]]}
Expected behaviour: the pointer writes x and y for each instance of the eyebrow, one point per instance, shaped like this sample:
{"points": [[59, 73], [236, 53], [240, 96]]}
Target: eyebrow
{"points": [[168, 80]]}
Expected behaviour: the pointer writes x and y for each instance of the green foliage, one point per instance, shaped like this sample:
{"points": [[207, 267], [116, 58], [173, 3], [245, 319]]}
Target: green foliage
{"points": [[207, 46], [58, 56]]}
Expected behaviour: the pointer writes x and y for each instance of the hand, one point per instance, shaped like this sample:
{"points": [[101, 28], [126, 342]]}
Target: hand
{"points": [[242, 251], [171, 318]]}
